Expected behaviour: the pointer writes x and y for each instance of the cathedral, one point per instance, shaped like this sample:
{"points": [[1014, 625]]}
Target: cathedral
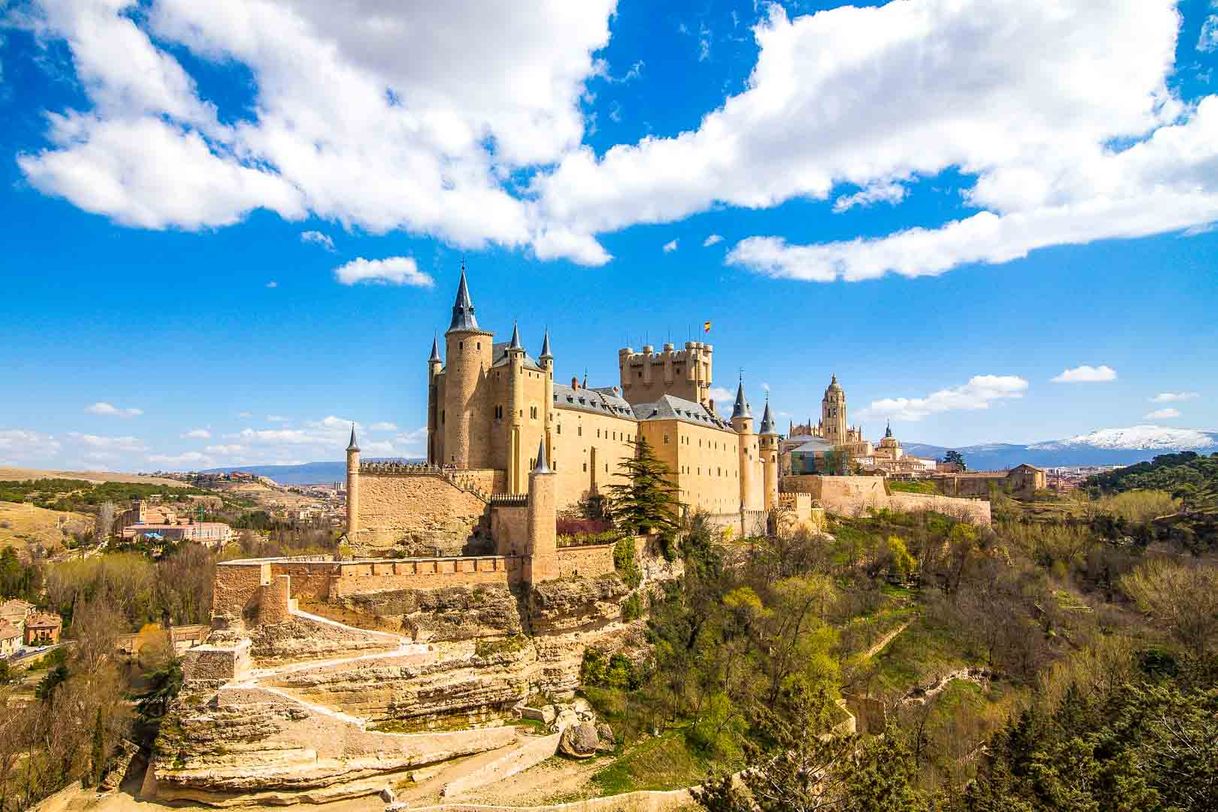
{"points": [[491, 405]]}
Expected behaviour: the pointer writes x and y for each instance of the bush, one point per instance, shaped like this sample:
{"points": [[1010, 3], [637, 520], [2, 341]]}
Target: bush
{"points": [[632, 607], [626, 563]]}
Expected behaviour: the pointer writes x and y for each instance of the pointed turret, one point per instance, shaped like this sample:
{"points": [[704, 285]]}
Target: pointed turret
{"points": [[741, 409], [767, 419], [435, 351], [353, 446], [888, 429], [542, 467], [515, 345], [545, 348], [463, 307]]}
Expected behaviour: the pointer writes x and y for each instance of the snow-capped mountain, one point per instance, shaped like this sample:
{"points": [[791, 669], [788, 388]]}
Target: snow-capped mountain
{"points": [[1115, 446]]}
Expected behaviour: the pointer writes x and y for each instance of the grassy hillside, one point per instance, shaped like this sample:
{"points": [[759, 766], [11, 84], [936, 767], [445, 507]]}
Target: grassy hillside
{"points": [[23, 525]]}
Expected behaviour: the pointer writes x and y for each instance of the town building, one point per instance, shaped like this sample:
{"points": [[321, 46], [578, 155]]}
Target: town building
{"points": [[1022, 482], [15, 612], [10, 639], [163, 523], [42, 629]]}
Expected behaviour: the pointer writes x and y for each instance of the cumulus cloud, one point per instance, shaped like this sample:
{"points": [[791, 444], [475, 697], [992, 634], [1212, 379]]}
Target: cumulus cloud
{"points": [[110, 410], [1059, 112], [713, 239], [1163, 414], [19, 446], [383, 426], [358, 113], [670, 246], [197, 434], [1174, 397], [317, 238], [1208, 41], [1086, 374], [978, 393], [388, 271], [721, 395], [885, 192]]}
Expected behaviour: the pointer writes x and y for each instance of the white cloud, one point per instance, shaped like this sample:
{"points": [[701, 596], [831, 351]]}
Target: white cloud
{"points": [[1163, 414], [197, 434], [110, 410], [1037, 100], [317, 238], [978, 393], [187, 459], [1174, 397], [371, 113], [95, 442], [721, 395], [277, 418], [391, 271], [272, 284], [1086, 374], [670, 246], [1208, 41], [884, 192], [713, 239], [383, 426], [19, 446]]}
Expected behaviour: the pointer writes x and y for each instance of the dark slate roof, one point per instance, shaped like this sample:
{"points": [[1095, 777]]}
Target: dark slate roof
{"points": [[435, 350], [545, 347], [741, 409], [600, 401], [813, 445], [541, 467], [352, 446], [499, 357], [767, 420], [669, 407], [515, 345], [463, 308]]}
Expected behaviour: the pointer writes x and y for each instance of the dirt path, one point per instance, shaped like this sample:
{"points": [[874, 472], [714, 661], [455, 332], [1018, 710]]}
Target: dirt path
{"points": [[885, 640]]}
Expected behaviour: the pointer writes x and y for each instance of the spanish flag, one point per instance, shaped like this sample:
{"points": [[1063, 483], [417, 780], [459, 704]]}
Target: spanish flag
{"points": [[706, 326]]}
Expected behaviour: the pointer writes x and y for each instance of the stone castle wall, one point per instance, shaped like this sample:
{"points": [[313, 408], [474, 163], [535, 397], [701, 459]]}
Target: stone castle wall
{"points": [[360, 578], [421, 514], [587, 561], [855, 495]]}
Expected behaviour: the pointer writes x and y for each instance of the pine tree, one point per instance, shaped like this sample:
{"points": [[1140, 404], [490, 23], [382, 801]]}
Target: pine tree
{"points": [[647, 501]]}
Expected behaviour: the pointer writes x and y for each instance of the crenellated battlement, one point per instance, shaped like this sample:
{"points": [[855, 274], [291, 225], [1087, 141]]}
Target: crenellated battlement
{"points": [[648, 375]]}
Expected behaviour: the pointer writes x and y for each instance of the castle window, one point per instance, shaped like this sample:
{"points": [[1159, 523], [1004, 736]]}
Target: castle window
{"points": [[479, 345], [441, 417], [579, 431], [499, 412], [585, 466], [460, 345], [533, 412], [558, 428], [665, 439]]}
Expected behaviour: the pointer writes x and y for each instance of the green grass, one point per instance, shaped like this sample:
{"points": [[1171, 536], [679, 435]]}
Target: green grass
{"points": [[663, 762], [919, 652]]}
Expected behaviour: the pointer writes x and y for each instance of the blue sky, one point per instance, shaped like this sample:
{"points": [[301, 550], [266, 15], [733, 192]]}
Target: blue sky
{"points": [[948, 205]]}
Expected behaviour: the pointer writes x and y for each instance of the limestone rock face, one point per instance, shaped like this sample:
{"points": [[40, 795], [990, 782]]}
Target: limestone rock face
{"points": [[575, 604], [303, 637], [451, 613]]}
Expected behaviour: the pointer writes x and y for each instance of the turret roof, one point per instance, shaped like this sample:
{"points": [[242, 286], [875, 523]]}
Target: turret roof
{"points": [[767, 419], [545, 347], [516, 345], [435, 349], [741, 409], [542, 467], [353, 446], [463, 307]]}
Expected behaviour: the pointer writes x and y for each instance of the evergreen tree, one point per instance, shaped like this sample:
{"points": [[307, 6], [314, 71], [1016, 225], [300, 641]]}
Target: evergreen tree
{"points": [[955, 457], [647, 501]]}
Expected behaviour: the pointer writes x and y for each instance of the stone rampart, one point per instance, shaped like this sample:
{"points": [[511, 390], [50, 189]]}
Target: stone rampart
{"points": [[510, 528], [235, 588], [274, 600], [361, 578], [422, 514], [856, 495], [585, 561]]}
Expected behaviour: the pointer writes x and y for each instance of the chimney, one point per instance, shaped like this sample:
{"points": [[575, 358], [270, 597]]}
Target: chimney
{"points": [[574, 382]]}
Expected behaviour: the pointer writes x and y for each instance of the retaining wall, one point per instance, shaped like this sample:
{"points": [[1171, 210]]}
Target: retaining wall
{"points": [[586, 561], [856, 495]]}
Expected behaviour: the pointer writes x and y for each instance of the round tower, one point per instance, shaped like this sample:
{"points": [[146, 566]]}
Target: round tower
{"points": [[468, 351], [435, 437], [768, 450], [742, 422], [516, 466], [352, 485], [541, 552]]}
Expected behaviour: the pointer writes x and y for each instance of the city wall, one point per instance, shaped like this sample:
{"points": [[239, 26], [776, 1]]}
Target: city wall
{"points": [[587, 561], [855, 495]]}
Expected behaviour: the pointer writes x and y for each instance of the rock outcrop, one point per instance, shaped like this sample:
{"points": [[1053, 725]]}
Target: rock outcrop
{"points": [[450, 613]]}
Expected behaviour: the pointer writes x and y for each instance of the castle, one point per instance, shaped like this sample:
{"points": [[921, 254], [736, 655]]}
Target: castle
{"points": [[491, 403]]}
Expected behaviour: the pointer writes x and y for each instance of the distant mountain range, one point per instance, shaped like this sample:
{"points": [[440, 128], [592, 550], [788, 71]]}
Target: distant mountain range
{"points": [[1123, 446]]}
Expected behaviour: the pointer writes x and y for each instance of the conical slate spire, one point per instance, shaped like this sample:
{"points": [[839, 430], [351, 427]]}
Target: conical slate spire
{"points": [[545, 347], [741, 409], [463, 307], [353, 446], [888, 429], [516, 345], [767, 419], [541, 467], [435, 349]]}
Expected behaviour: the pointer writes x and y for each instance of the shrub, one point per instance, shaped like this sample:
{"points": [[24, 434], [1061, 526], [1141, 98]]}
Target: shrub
{"points": [[632, 607], [626, 564]]}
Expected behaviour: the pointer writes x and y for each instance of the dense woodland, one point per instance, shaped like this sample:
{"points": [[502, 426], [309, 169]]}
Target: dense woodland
{"points": [[1065, 659]]}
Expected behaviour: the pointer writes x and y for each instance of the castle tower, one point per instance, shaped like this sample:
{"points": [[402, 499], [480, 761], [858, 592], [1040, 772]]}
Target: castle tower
{"points": [[541, 550], [546, 359], [352, 485], [463, 421], [742, 422], [647, 376], [768, 448], [833, 413], [516, 464], [435, 437]]}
